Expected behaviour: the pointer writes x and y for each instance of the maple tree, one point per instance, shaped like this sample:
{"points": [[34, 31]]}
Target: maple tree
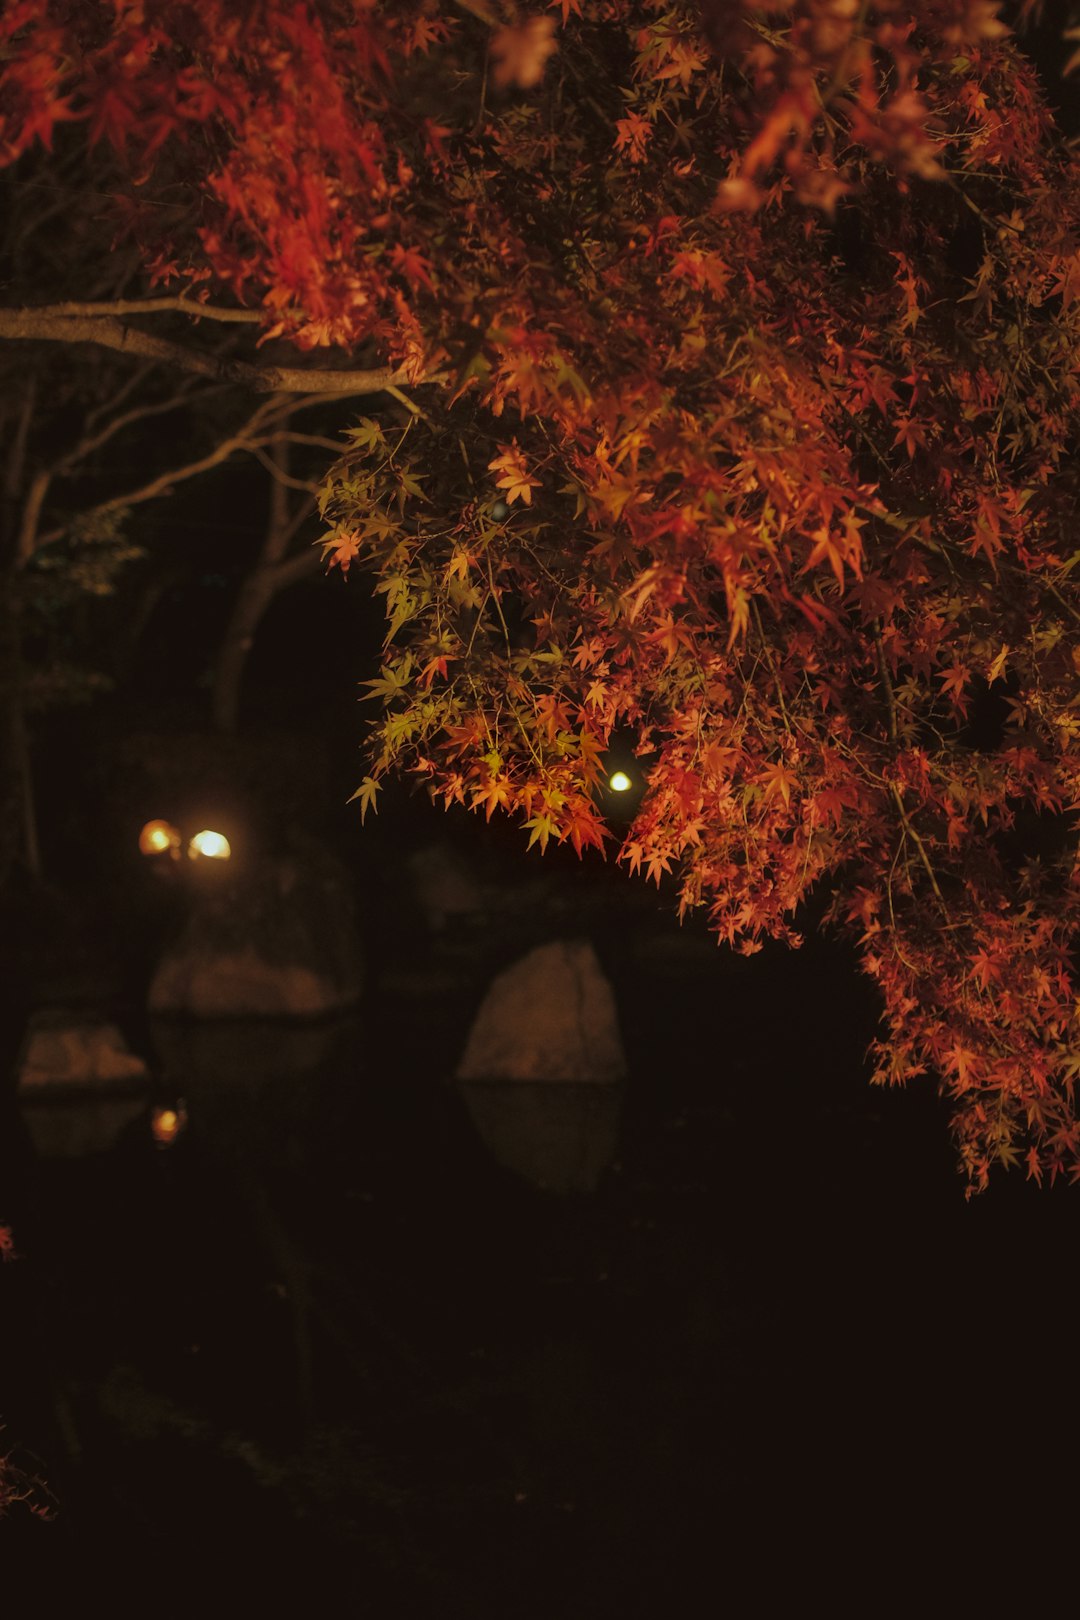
{"points": [[724, 393]]}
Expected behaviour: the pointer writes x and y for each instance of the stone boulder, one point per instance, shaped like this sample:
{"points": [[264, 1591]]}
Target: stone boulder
{"points": [[279, 942], [79, 1085], [70, 1051], [550, 1017]]}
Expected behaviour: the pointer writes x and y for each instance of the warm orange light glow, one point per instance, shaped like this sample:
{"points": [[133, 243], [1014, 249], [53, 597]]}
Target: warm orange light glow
{"points": [[157, 837], [619, 782], [213, 845], [167, 1123]]}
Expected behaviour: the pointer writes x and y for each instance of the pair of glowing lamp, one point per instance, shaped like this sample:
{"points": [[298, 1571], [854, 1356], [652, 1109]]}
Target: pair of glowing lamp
{"points": [[162, 838]]}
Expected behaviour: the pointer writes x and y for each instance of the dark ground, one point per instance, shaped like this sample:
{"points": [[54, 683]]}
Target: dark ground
{"points": [[774, 1350]]}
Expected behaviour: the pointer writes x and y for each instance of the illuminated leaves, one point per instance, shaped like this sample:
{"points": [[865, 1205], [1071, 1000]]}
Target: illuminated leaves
{"points": [[366, 795], [777, 782], [342, 549], [516, 480], [632, 135]]}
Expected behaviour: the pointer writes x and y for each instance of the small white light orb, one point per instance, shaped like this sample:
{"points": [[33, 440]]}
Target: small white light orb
{"points": [[619, 782], [213, 845]]}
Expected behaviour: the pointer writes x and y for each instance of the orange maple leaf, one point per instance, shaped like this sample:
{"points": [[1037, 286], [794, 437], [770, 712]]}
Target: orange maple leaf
{"points": [[340, 551], [633, 136], [778, 782], [516, 480]]}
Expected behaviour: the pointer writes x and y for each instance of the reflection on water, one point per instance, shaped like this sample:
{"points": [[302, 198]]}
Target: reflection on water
{"points": [[81, 1122], [557, 1136], [236, 1051], [260, 1084], [253, 1084]]}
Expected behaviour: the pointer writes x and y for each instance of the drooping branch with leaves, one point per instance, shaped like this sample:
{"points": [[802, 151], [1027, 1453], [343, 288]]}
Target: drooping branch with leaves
{"points": [[728, 396]]}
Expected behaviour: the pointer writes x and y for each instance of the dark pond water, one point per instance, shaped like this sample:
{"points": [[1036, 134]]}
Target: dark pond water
{"points": [[327, 1348]]}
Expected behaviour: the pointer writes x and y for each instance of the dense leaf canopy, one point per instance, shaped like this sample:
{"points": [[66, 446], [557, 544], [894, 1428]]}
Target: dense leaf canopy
{"points": [[733, 393]]}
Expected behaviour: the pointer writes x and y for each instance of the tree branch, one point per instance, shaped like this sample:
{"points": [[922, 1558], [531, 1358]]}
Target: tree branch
{"points": [[16, 460], [286, 480], [295, 567], [278, 515], [165, 481], [139, 413], [105, 331], [894, 786], [126, 389], [26, 544], [154, 306], [334, 445]]}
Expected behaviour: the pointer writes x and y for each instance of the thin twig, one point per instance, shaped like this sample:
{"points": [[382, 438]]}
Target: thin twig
{"points": [[126, 388], [289, 437], [894, 786], [88, 445], [286, 480], [771, 662], [163, 484]]}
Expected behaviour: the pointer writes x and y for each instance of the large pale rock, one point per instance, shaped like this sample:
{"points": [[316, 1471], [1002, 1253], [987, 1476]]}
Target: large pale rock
{"points": [[240, 984], [549, 1017], [74, 1052], [279, 944], [79, 1086]]}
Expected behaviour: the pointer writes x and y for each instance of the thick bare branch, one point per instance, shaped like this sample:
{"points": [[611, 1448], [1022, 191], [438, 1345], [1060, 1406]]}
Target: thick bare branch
{"points": [[155, 306], [107, 332]]}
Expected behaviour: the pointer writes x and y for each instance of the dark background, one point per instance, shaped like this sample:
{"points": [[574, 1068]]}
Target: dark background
{"points": [[776, 1348]]}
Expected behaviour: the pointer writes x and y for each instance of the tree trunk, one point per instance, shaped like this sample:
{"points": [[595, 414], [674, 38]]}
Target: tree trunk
{"points": [[272, 573], [256, 594]]}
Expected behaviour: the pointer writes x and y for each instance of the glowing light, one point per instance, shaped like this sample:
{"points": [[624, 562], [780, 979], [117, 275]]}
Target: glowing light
{"points": [[167, 1123], [619, 782], [213, 845], [157, 837]]}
